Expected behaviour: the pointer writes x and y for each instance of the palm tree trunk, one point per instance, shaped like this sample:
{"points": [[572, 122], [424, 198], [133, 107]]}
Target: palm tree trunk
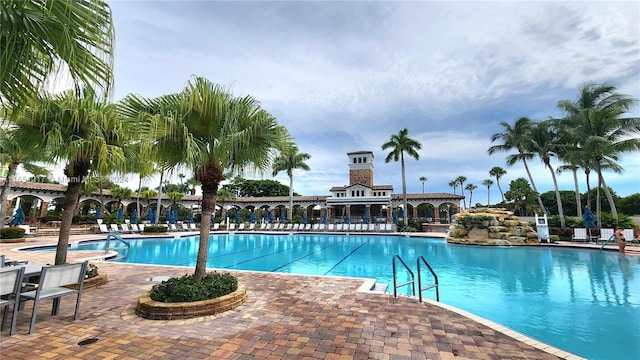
{"points": [[500, 188], [488, 195], [291, 197], [607, 193], [470, 197], [138, 196], [5, 190], [208, 206], [558, 198], [598, 207], [158, 206], [71, 197], [577, 190], [586, 175], [404, 191], [533, 185]]}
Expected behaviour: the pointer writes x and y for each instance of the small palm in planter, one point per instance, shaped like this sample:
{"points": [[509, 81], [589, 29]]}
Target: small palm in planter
{"points": [[185, 297]]}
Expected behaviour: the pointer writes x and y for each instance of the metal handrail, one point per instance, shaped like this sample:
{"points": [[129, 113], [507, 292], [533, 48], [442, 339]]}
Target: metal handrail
{"points": [[435, 285], [117, 237], [395, 284]]}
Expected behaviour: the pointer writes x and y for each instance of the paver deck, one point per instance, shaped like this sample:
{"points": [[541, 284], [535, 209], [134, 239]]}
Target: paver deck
{"points": [[285, 317]]}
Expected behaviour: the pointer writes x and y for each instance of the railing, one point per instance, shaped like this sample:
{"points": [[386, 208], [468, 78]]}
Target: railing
{"points": [[117, 237], [395, 284], [434, 285]]}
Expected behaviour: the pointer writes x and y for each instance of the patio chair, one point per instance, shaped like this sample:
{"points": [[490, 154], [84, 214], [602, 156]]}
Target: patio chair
{"points": [[185, 227], [141, 227], [241, 227], [295, 227], [52, 286], [216, 226], [358, 227], [321, 227], [338, 227], [232, 227], [330, 227], [580, 234], [352, 227], [114, 228], [28, 230], [124, 228], [307, 227], [605, 234], [628, 236], [192, 226], [316, 227], [252, 227], [10, 286], [135, 228], [263, 226]]}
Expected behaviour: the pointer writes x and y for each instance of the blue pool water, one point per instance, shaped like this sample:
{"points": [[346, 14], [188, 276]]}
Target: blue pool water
{"points": [[583, 301]]}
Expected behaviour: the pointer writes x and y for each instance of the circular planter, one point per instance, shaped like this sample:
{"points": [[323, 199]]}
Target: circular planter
{"points": [[155, 310]]}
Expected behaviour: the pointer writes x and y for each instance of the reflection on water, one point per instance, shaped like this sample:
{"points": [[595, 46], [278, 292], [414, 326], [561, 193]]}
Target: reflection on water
{"points": [[584, 301]]}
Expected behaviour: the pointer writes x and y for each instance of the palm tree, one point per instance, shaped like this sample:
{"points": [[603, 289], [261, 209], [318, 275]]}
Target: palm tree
{"points": [[83, 132], [210, 132], [399, 144], [595, 118], [544, 143], [460, 180], [289, 160], [454, 185], [41, 37], [120, 193], [488, 183], [470, 187], [498, 173], [147, 195], [16, 151], [423, 180], [223, 196], [517, 137]]}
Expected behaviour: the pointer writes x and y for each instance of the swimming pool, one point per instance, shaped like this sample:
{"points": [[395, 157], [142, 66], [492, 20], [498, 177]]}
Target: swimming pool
{"points": [[582, 301]]}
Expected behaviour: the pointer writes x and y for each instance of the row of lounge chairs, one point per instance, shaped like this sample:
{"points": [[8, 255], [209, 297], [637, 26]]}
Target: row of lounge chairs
{"points": [[309, 227], [581, 234], [137, 228]]}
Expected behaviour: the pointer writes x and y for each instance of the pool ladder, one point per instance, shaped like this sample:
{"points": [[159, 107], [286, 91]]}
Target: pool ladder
{"points": [[117, 238], [412, 281]]}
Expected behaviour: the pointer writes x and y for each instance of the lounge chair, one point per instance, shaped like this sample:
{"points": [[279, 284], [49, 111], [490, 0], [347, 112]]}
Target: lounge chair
{"points": [[103, 228], [268, 227], [307, 227], [330, 227], [192, 227], [232, 227], [358, 227], [10, 287], [321, 227], [289, 227], [580, 234], [252, 227], [135, 228], [216, 226], [605, 234], [316, 227], [338, 227], [125, 228], [628, 236], [141, 227], [263, 226], [295, 227], [185, 227], [173, 228], [241, 227], [28, 230], [114, 228], [52, 286], [352, 227]]}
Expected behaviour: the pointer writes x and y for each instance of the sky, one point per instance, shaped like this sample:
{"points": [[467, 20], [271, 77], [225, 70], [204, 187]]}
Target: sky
{"points": [[345, 76]]}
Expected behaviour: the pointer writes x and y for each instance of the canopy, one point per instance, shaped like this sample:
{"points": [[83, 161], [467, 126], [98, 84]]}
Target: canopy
{"points": [[270, 218], [252, 217], [588, 218], [120, 214], [18, 217], [346, 218], [150, 215], [394, 216], [283, 216], [191, 217], [238, 217], [367, 217], [304, 217], [174, 216], [324, 217], [401, 213], [134, 216], [98, 211]]}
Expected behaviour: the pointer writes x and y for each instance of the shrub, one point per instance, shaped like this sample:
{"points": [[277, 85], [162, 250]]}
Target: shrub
{"points": [[187, 288], [12, 232], [155, 229]]}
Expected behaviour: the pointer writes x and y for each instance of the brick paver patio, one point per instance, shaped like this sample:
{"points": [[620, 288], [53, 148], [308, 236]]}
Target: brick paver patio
{"points": [[285, 317]]}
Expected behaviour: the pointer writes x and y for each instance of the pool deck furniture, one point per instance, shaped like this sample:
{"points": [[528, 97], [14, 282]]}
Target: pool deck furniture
{"points": [[10, 287], [605, 234], [53, 279], [580, 234]]}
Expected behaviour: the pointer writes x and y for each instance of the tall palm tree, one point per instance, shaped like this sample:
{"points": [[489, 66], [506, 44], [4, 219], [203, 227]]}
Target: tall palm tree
{"points": [[454, 185], [517, 137], [209, 132], [544, 143], [41, 37], [16, 150], [289, 160], [460, 180], [83, 132], [498, 173], [470, 187], [120, 193], [488, 183], [423, 180], [597, 122], [399, 144]]}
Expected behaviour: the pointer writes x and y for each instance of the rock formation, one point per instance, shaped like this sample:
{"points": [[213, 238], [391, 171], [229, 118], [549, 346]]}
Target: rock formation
{"points": [[489, 226]]}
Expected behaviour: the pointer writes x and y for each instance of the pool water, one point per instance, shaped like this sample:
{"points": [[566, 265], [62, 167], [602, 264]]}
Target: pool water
{"points": [[583, 301]]}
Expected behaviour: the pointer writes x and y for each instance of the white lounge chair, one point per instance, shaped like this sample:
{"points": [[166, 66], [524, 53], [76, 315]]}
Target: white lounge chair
{"points": [[289, 227], [114, 228], [316, 227], [358, 227], [307, 227], [269, 227], [580, 234], [103, 228], [252, 227], [125, 228], [330, 227], [141, 227], [135, 228], [52, 286], [321, 227], [192, 227], [263, 226], [295, 227], [216, 226], [185, 227], [232, 227], [605, 234], [241, 226], [352, 227], [628, 236], [173, 228], [339, 227]]}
